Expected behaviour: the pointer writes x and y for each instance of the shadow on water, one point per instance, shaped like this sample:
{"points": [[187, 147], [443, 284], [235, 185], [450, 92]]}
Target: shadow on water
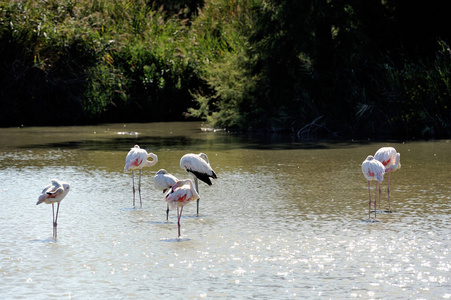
{"points": [[369, 221], [217, 142], [117, 143], [176, 240], [46, 241]]}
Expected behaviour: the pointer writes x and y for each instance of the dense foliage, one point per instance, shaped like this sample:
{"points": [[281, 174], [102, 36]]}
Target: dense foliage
{"points": [[330, 68]]}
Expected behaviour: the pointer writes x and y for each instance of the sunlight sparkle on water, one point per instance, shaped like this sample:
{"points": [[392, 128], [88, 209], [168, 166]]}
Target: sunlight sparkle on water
{"points": [[275, 224]]}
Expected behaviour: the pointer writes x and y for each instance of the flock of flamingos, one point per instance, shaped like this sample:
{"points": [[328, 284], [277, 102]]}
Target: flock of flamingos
{"points": [[181, 192]]}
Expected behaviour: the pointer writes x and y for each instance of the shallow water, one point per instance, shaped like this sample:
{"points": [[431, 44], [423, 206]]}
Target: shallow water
{"points": [[284, 219]]}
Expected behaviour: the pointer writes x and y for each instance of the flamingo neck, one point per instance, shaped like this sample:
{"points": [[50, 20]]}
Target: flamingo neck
{"points": [[205, 157], [398, 161], [193, 190], [152, 162]]}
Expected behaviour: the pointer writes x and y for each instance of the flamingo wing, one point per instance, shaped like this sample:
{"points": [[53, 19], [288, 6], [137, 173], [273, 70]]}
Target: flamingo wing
{"points": [[197, 166], [201, 176], [163, 181], [386, 155], [396, 164], [54, 191], [180, 196], [135, 158], [373, 169]]}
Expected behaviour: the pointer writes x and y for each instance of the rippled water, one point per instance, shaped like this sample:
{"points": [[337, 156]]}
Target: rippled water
{"points": [[284, 220]]}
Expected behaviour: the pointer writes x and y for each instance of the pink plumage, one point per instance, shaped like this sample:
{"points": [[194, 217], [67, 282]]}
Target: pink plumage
{"points": [[392, 162], [51, 194], [137, 159], [373, 169], [181, 194], [389, 158], [163, 181]]}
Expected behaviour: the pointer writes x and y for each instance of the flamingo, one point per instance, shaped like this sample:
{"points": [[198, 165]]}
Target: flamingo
{"points": [[373, 169], [163, 181], [181, 193], [137, 159], [51, 194], [391, 161], [199, 166]]}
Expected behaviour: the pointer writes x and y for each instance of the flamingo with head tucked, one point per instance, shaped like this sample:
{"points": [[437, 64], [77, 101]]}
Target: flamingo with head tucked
{"points": [[137, 159], [391, 161], [199, 166], [181, 193], [54, 193], [164, 181], [373, 169]]}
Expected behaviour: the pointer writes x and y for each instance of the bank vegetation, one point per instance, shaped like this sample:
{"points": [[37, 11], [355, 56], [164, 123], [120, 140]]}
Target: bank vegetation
{"points": [[318, 69]]}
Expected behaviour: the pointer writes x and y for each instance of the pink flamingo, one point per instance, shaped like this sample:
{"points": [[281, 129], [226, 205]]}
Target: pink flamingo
{"points": [[181, 193], [199, 166], [51, 194], [373, 169], [163, 181], [137, 159], [391, 161]]}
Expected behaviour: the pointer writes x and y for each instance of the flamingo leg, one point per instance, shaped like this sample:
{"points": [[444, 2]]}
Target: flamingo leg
{"points": [[167, 213], [139, 189], [55, 222], [53, 219], [380, 196], [133, 184], [375, 198], [369, 205], [197, 190], [178, 218], [388, 190]]}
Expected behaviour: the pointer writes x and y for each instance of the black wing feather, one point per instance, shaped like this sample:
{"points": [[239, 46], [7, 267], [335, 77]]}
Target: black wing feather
{"points": [[202, 176]]}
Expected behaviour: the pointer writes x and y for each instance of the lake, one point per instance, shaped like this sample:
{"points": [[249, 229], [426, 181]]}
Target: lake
{"points": [[286, 219]]}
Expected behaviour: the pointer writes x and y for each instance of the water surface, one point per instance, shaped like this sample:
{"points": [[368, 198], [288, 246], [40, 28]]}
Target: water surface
{"points": [[285, 219]]}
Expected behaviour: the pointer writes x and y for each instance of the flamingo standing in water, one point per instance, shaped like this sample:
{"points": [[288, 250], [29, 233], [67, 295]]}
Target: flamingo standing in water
{"points": [[137, 159], [373, 169], [181, 193], [391, 161], [163, 181], [199, 166], [54, 193]]}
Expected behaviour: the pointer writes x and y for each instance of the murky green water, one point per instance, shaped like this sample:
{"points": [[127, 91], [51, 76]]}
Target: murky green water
{"points": [[284, 220]]}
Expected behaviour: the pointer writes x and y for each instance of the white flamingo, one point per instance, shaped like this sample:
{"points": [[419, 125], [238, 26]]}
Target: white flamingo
{"points": [[51, 194], [391, 161], [181, 193], [373, 169], [199, 166], [163, 181], [137, 159]]}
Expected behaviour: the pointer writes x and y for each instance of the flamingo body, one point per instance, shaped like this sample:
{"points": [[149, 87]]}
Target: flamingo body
{"points": [[389, 158], [163, 181], [51, 194], [136, 160], [199, 166], [181, 194], [392, 162], [373, 169]]}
